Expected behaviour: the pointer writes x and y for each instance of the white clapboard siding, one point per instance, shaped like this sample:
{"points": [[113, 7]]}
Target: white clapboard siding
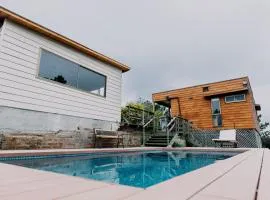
{"points": [[50, 104], [17, 88], [21, 88]]}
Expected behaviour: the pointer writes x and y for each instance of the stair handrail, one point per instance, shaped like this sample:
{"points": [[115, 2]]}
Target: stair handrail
{"points": [[175, 125], [189, 133], [187, 129], [145, 125], [172, 127], [172, 120], [169, 129], [136, 116]]}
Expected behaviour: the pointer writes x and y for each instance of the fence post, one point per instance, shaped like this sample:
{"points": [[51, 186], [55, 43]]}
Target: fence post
{"points": [[143, 127], [154, 121], [167, 131], [129, 114]]}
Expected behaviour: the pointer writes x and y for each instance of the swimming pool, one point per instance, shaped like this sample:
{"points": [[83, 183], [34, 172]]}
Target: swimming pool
{"points": [[138, 169]]}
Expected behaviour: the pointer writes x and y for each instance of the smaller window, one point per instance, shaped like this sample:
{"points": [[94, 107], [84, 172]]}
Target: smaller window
{"points": [[235, 98], [240, 97], [205, 89], [229, 99]]}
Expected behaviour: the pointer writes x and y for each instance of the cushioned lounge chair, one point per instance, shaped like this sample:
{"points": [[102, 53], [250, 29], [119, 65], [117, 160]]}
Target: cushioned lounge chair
{"points": [[227, 137]]}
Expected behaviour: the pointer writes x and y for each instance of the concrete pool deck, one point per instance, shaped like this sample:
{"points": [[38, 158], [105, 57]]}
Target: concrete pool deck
{"points": [[244, 176]]}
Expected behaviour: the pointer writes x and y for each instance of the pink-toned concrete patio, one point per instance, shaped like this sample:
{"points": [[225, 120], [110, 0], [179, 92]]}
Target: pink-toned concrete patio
{"points": [[244, 176]]}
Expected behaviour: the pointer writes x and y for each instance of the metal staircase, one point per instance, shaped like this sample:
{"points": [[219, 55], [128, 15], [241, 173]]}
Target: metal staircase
{"points": [[158, 131], [176, 128], [158, 140]]}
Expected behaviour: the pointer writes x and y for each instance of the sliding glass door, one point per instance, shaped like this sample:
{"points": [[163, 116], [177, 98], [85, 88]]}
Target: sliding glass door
{"points": [[216, 112]]}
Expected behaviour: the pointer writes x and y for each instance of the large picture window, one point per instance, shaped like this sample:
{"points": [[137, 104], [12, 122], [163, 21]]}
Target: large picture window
{"points": [[61, 70]]}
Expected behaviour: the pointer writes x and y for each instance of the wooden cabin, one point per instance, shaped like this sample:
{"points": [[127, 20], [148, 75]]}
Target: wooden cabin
{"points": [[225, 104]]}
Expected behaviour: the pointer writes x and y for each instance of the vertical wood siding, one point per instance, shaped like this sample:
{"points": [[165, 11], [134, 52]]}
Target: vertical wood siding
{"points": [[195, 107], [20, 87]]}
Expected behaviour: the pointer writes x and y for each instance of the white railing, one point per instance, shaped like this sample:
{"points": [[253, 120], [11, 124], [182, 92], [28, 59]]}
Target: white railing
{"points": [[144, 126], [173, 127]]}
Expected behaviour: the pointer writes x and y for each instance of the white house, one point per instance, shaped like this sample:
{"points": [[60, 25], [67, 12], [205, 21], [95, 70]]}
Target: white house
{"points": [[49, 82]]}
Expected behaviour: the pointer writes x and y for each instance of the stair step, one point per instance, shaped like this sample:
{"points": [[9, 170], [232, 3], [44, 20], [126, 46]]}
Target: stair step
{"points": [[157, 136], [157, 140], [156, 144]]}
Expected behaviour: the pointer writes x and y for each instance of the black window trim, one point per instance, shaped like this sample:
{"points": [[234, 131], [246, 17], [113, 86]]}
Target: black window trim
{"points": [[65, 85]]}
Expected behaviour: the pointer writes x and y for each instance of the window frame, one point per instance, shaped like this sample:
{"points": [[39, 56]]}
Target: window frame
{"points": [[205, 89], [215, 99], [219, 114], [234, 101], [66, 85]]}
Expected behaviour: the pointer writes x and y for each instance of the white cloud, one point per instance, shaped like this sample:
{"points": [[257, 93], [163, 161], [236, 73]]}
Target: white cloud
{"points": [[168, 44]]}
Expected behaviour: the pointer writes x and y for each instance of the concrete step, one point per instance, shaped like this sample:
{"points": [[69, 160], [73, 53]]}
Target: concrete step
{"points": [[159, 137], [157, 141], [156, 144]]}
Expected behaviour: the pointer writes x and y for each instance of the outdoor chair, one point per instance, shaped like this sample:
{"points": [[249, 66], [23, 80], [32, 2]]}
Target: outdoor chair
{"points": [[227, 138], [104, 138]]}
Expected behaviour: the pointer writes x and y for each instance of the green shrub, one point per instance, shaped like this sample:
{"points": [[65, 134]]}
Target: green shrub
{"points": [[179, 143]]}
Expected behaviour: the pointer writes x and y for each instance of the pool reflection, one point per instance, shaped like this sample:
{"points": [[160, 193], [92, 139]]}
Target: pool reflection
{"points": [[133, 169]]}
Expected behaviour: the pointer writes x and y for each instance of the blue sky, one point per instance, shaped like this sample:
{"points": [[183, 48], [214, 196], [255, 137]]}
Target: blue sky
{"points": [[168, 44]]}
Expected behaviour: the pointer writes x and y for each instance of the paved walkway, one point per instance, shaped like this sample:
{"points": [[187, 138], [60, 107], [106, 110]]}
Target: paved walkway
{"points": [[244, 176]]}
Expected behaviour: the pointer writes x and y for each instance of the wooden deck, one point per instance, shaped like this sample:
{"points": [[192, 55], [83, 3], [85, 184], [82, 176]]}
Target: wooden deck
{"points": [[244, 176]]}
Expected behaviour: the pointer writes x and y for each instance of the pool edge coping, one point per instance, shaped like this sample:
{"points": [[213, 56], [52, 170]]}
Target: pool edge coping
{"points": [[44, 152], [139, 191]]}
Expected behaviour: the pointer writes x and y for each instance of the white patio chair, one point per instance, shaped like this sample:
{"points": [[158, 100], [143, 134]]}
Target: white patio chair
{"points": [[226, 136]]}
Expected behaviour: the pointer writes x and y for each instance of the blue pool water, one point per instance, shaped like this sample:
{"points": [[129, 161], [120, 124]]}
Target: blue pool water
{"points": [[138, 169]]}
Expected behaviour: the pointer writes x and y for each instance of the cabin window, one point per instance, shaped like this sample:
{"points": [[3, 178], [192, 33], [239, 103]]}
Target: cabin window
{"points": [[216, 112], [205, 89], [235, 98], [61, 70]]}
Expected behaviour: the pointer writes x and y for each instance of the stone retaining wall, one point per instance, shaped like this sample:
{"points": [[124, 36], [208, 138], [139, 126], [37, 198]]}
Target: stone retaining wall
{"points": [[59, 140]]}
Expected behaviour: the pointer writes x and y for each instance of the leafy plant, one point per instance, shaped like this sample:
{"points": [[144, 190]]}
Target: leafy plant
{"points": [[264, 131], [141, 105]]}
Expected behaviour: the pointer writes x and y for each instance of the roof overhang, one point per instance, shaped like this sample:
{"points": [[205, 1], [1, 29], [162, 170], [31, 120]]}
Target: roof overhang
{"points": [[7, 14], [221, 93], [165, 103]]}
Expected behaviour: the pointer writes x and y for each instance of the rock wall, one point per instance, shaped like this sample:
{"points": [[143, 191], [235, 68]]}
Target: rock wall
{"points": [[60, 140]]}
